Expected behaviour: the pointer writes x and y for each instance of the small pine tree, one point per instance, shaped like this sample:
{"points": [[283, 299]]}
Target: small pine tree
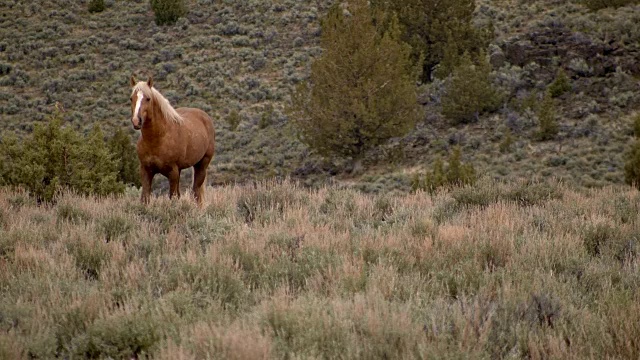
{"points": [[632, 165], [167, 12], [431, 180], [10, 152], [548, 127], [267, 117], [458, 173], [636, 126], [560, 85], [233, 119], [96, 6], [469, 92], [507, 141], [455, 174], [361, 91], [122, 148]]}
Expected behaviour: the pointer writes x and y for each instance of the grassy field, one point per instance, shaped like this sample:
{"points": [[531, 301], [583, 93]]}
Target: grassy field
{"points": [[536, 271]]}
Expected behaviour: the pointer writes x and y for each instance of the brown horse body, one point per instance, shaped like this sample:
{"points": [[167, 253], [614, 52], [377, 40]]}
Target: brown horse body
{"points": [[171, 140]]}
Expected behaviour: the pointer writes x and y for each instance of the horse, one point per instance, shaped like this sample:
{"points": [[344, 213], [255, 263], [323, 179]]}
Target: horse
{"points": [[171, 140]]}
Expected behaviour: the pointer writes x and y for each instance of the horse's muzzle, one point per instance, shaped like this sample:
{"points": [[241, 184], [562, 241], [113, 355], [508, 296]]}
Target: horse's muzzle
{"points": [[137, 123]]}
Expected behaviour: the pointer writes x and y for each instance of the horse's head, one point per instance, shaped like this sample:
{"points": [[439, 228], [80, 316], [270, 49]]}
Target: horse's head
{"points": [[140, 102]]}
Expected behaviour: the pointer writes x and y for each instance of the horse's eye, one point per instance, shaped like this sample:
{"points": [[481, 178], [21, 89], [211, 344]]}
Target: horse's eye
{"points": [[147, 99]]}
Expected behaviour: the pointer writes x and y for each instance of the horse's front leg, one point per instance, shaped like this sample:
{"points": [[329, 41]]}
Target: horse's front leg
{"points": [[174, 182], [146, 177], [199, 177]]}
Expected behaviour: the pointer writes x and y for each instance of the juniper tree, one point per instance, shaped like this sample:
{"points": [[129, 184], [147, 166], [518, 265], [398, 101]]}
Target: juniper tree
{"points": [[632, 165], [548, 124], [456, 173], [98, 170], [632, 158], [54, 157], [361, 90], [122, 148], [439, 32], [96, 6], [560, 85], [636, 125], [49, 158], [469, 92], [167, 12]]}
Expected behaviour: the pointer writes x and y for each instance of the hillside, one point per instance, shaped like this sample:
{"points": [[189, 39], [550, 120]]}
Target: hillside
{"points": [[277, 271], [245, 56]]}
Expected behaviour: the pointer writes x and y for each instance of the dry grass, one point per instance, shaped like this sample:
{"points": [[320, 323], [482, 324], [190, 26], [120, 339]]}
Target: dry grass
{"points": [[277, 271]]}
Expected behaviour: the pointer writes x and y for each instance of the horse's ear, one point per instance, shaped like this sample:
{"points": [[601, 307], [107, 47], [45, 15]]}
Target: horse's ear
{"points": [[150, 81], [133, 81]]}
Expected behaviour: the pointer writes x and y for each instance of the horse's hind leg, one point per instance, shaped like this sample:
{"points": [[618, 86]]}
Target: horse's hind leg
{"points": [[199, 176]]}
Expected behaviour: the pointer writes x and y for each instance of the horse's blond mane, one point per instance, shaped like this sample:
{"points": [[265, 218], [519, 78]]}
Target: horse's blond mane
{"points": [[165, 107]]}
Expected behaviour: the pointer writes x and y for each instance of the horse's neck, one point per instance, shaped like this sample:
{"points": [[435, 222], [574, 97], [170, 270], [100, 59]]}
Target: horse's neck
{"points": [[157, 125]]}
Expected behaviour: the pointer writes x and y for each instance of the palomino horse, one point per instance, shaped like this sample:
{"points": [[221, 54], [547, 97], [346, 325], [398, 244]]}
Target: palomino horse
{"points": [[171, 140]]}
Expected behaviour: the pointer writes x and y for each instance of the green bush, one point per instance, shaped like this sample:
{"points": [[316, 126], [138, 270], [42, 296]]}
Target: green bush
{"points": [[53, 158], [595, 5], [121, 336], [636, 126], [560, 85], [455, 174], [262, 205], [439, 32], [123, 149], [632, 165], [96, 6], [167, 12], [507, 141], [233, 119], [469, 92], [89, 256], [548, 124], [70, 213], [115, 226]]}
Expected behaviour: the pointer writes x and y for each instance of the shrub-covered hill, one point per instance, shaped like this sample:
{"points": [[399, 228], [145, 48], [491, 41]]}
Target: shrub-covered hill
{"points": [[223, 57], [276, 271], [243, 57]]}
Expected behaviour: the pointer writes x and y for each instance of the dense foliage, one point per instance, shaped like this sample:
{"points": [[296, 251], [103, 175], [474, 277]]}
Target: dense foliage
{"points": [[54, 158], [123, 149], [548, 124], [469, 92], [602, 4], [361, 91], [456, 173], [167, 12], [440, 32], [96, 6]]}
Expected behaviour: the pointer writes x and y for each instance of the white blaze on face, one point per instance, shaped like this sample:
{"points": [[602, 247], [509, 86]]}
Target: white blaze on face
{"points": [[138, 102]]}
